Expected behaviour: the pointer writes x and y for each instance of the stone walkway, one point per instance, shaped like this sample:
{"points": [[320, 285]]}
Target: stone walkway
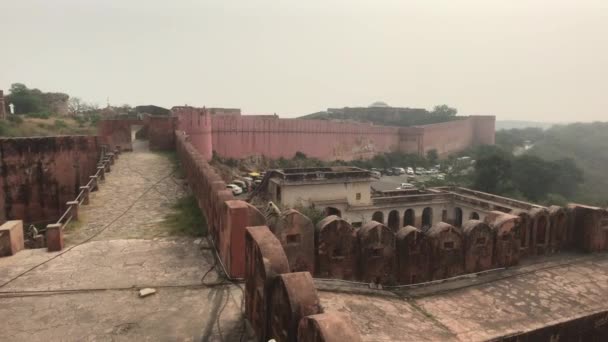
{"points": [[89, 291]]}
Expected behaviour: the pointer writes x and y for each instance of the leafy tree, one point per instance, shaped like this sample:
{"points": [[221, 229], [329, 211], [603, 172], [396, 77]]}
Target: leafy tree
{"points": [[492, 170], [444, 110], [533, 176], [25, 100]]}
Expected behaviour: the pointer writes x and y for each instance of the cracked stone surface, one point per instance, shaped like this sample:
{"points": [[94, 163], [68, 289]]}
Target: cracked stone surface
{"points": [[89, 291]]}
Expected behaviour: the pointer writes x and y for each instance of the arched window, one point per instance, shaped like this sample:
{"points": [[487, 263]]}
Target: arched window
{"points": [[427, 217], [474, 216], [458, 217], [378, 217], [393, 220], [444, 215], [408, 218]]}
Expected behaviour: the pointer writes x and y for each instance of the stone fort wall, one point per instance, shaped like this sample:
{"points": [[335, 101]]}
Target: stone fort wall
{"points": [[39, 175], [239, 136]]}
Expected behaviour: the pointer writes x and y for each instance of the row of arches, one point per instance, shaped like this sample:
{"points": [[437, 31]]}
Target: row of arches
{"points": [[395, 222]]}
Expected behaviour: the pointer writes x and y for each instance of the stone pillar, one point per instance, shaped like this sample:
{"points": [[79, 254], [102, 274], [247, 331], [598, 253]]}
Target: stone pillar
{"points": [[106, 164], [86, 192], [102, 172], [74, 209], [54, 237], [11, 238], [94, 185]]}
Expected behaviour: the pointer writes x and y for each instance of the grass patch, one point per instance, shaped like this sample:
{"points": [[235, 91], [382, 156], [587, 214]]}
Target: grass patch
{"points": [[187, 219]]}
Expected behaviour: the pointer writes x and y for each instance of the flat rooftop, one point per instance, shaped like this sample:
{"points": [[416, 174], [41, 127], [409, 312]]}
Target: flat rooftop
{"points": [[321, 175], [539, 293]]}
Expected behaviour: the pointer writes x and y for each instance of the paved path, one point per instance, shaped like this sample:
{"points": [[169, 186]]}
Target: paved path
{"points": [[88, 292]]}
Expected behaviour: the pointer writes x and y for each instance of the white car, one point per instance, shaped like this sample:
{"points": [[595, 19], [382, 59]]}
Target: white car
{"points": [[236, 190], [406, 186], [410, 171]]}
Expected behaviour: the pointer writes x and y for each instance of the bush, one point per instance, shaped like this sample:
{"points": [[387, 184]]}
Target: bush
{"points": [[60, 124], [187, 218], [39, 115], [15, 119]]}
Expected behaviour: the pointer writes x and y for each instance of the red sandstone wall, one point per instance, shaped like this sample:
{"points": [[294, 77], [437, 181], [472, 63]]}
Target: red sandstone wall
{"points": [[161, 132], [39, 175], [238, 137], [448, 137], [117, 132]]}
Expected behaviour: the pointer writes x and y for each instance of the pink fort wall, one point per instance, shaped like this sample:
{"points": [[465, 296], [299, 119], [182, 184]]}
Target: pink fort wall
{"points": [[241, 136], [236, 136]]}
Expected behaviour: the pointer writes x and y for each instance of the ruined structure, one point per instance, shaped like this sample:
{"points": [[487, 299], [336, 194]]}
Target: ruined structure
{"points": [[232, 135]]}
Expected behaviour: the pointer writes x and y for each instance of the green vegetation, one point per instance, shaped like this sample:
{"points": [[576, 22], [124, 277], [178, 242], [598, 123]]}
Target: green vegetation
{"points": [[187, 219], [388, 116], [586, 144], [24, 126], [527, 177]]}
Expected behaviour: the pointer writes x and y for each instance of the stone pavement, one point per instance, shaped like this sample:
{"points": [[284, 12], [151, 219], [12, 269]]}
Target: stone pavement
{"points": [[90, 293]]}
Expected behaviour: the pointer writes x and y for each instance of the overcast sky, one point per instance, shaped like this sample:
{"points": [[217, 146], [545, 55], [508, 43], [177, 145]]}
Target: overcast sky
{"points": [[542, 60]]}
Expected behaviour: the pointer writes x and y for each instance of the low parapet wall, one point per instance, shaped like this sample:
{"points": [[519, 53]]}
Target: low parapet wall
{"points": [[39, 175]]}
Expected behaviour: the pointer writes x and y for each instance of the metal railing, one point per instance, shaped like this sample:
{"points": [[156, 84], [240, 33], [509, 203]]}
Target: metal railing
{"points": [[106, 159]]}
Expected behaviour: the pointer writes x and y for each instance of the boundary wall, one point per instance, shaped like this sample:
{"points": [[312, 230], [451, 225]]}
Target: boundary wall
{"points": [[39, 175], [240, 136]]}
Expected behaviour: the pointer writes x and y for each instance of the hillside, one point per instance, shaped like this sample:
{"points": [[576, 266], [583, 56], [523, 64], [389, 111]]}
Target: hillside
{"points": [[587, 145]]}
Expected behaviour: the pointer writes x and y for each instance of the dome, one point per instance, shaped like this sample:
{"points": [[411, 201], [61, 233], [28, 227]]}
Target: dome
{"points": [[378, 104]]}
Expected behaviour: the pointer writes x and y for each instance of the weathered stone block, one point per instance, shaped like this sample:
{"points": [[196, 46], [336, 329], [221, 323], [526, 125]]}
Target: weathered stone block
{"points": [[293, 296], [336, 244], [11, 238], [328, 327], [265, 260], [376, 253], [413, 256], [54, 237]]}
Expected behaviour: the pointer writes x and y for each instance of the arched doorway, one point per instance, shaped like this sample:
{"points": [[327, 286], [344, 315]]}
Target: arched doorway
{"points": [[474, 216], [408, 218], [378, 217], [444, 216], [332, 211], [458, 217], [393, 220], [427, 218]]}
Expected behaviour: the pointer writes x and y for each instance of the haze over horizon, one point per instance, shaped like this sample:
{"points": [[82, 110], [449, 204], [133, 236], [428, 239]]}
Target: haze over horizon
{"points": [[536, 60]]}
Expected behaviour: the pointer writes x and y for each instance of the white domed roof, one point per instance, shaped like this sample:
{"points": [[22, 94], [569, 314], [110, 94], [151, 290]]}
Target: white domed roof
{"points": [[379, 104]]}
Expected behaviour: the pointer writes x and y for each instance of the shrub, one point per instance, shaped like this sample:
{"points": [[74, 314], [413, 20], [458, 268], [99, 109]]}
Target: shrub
{"points": [[15, 119]]}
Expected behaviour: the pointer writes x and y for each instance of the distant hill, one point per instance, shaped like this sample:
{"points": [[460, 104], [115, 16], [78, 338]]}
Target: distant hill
{"points": [[510, 124], [587, 145]]}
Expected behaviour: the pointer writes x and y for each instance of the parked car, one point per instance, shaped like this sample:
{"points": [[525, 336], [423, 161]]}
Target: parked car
{"points": [[236, 190], [388, 172], [405, 186], [420, 171], [376, 174], [410, 171], [398, 171], [241, 184]]}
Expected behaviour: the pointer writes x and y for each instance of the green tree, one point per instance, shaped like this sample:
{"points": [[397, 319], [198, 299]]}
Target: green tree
{"points": [[492, 170], [444, 110], [25, 100], [533, 176]]}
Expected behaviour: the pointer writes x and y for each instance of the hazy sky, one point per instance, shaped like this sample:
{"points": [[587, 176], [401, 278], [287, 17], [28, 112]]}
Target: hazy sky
{"points": [[543, 60]]}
